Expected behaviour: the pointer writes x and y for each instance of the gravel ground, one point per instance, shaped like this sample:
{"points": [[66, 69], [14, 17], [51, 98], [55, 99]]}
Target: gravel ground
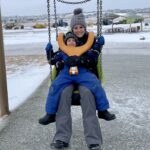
{"points": [[127, 87]]}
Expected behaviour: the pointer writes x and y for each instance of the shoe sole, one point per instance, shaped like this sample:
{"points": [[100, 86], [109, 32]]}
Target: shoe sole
{"points": [[108, 119], [52, 145]]}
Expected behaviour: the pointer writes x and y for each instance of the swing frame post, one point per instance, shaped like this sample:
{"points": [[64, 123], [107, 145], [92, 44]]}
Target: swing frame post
{"points": [[4, 108]]}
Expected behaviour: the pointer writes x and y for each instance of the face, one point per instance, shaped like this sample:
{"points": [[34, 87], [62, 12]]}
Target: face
{"points": [[71, 42], [79, 30]]}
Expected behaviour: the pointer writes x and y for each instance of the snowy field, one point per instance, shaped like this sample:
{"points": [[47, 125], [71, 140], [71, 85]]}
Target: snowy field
{"points": [[41, 35], [26, 63]]}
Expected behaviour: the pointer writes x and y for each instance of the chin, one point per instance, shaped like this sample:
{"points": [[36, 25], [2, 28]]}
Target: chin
{"points": [[80, 35]]}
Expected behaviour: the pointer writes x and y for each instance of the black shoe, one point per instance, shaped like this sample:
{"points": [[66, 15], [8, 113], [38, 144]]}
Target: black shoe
{"points": [[47, 119], [106, 115], [59, 144], [94, 147]]}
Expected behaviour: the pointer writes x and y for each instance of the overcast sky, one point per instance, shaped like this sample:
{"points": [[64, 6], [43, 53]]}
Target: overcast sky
{"points": [[39, 7]]}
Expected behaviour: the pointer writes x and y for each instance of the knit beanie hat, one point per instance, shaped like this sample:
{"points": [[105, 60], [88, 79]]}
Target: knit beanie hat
{"points": [[78, 18], [70, 35]]}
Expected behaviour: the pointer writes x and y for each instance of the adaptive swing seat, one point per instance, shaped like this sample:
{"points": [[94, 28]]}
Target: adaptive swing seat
{"points": [[78, 51]]}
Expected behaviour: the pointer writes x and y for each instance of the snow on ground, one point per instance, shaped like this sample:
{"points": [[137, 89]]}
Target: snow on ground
{"points": [[41, 35], [22, 84], [24, 79], [24, 75]]}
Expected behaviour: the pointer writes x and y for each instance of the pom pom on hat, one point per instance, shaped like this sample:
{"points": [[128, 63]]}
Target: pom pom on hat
{"points": [[77, 11], [78, 18]]}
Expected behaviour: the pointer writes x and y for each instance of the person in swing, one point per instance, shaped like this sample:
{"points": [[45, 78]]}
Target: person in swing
{"points": [[77, 22]]}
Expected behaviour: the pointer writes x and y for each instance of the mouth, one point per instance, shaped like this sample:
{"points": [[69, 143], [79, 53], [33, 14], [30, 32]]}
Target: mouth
{"points": [[80, 34]]}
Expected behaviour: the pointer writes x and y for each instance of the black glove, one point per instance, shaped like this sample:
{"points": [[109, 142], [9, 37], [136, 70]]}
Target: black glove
{"points": [[93, 53], [49, 51], [72, 61], [57, 57], [99, 42], [59, 65], [89, 63]]}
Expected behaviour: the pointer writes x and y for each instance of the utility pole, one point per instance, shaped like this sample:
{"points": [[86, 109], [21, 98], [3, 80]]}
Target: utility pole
{"points": [[4, 109]]}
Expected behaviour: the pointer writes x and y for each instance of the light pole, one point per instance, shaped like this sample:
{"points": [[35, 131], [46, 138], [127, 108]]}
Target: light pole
{"points": [[4, 110]]}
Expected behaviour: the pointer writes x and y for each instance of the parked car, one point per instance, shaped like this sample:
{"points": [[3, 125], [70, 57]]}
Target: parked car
{"points": [[13, 26], [60, 23]]}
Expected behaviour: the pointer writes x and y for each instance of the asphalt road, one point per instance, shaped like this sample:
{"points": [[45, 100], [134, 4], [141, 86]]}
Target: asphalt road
{"points": [[127, 86]]}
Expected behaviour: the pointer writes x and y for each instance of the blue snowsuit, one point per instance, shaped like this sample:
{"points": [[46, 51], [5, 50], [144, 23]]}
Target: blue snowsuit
{"points": [[84, 78]]}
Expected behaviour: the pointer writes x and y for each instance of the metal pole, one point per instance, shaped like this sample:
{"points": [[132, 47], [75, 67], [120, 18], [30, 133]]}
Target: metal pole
{"points": [[4, 110]]}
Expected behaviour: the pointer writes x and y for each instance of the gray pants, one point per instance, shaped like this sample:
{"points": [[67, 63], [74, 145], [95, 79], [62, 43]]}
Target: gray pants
{"points": [[91, 125]]}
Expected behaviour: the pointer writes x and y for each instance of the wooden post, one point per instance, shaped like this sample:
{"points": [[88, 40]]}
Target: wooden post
{"points": [[4, 110]]}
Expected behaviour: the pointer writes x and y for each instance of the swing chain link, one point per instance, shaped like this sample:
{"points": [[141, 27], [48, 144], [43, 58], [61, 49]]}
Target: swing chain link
{"points": [[49, 33], [78, 2], [49, 23], [56, 24], [99, 17], [99, 31]]}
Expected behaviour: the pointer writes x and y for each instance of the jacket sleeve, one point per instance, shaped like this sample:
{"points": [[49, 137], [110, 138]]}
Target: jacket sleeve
{"points": [[90, 58], [56, 58]]}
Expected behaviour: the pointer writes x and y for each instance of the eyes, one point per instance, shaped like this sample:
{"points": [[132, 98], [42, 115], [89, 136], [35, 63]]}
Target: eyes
{"points": [[78, 27], [71, 40]]}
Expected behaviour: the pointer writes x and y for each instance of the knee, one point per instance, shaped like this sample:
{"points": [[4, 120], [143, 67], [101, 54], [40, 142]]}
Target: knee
{"points": [[67, 92], [85, 91], [87, 101]]}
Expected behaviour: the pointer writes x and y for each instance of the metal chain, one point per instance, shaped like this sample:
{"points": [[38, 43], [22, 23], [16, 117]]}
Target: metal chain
{"points": [[78, 2], [56, 24], [49, 33], [99, 32], [101, 17], [98, 18], [49, 22]]}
